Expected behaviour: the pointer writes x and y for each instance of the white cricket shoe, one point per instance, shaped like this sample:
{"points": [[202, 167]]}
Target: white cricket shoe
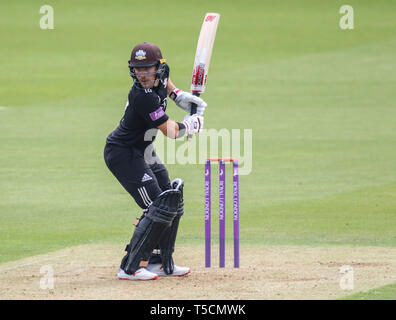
{"points": [[140, 274], [177, 271]]}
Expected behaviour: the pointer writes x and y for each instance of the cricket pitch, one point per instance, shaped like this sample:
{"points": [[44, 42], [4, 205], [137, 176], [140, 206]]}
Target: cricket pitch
{"points": [[266, 272]]}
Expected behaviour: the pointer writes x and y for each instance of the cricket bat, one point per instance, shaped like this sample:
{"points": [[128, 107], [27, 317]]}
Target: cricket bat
{"points": [[202, 57]]}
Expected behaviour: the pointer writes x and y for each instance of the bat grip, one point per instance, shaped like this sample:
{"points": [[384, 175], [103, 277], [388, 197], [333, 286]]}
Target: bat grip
{"points": [[193, 111], [193, 108]]}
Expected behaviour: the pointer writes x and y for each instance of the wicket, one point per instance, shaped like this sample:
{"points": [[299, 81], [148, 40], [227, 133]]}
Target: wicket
{"points": [[221, 162]]}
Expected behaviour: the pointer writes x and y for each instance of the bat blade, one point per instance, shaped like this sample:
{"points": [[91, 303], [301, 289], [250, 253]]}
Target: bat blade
{"points": [[202, 57], [204, 52]]}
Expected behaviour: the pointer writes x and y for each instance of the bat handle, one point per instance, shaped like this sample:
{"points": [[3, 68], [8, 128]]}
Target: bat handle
{"points": [[193, 111]]}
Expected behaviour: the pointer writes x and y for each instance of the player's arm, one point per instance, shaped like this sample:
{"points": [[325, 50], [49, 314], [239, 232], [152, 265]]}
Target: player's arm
{"points": [[190, 125], [170, 128], [170, 87], [184, 99], [149, 109]]}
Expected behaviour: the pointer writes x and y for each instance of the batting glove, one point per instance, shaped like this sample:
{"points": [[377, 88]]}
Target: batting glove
{"points": [[193, 123], [184, 99]]}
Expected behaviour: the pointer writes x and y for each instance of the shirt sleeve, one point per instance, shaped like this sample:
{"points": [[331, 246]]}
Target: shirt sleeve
{"points": [[148, 107]]}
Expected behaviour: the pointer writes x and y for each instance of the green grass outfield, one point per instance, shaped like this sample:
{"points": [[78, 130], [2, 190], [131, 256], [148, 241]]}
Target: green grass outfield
{"points": [[321, 102], [382, 293]]}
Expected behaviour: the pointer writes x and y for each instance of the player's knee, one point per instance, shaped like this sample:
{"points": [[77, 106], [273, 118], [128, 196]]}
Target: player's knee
{"points": [[177, 184], [165, 206]]}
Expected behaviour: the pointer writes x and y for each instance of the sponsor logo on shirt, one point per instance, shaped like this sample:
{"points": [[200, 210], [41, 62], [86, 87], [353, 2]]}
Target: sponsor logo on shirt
{"points": [[157, 114]]}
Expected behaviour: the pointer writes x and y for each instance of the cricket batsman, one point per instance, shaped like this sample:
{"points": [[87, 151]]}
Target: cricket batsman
{"points": [[130, 156]]}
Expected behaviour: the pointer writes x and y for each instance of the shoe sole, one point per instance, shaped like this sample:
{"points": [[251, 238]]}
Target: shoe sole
{"points": [[174, 275], [154, 278]]}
